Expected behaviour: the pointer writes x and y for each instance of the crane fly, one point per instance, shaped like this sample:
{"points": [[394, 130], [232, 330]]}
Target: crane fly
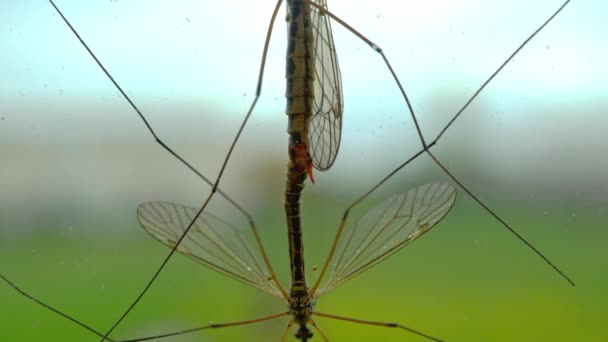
{"points": [[315, 111], [217, 244]]}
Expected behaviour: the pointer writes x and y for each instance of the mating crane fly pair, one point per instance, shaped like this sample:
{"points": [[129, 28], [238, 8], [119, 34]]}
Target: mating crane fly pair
{"points": [[314, 109]]}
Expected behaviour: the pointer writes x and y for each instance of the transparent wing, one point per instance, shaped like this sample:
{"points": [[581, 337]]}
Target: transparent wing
{"points": [[386, 229], [326, 123], [211, 241]]}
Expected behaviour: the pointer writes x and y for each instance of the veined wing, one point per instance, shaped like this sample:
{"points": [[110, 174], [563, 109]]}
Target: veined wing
{"points": [[386, 229], [326, 123], [211, 241]]}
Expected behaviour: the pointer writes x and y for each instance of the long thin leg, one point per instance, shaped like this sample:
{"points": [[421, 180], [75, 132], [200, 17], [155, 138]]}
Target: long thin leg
{"points": [[132, 104], [210, 326], [499, 69], [426, 147], [508, 226], [222, 169], [50, 308], [267, 261], [287, 329], [318, 329], [379, 324], [181, 332]]}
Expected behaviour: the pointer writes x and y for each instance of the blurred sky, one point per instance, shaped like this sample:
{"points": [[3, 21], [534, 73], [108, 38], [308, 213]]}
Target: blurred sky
{"points": [[192, 68], [209, 33]]}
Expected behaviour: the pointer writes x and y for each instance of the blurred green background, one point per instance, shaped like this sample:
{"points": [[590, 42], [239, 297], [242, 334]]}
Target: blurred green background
{"points": [[77, 161]]}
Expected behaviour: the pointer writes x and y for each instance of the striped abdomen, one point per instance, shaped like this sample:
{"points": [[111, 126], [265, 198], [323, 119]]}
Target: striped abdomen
{"points": [[299, 96]]}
